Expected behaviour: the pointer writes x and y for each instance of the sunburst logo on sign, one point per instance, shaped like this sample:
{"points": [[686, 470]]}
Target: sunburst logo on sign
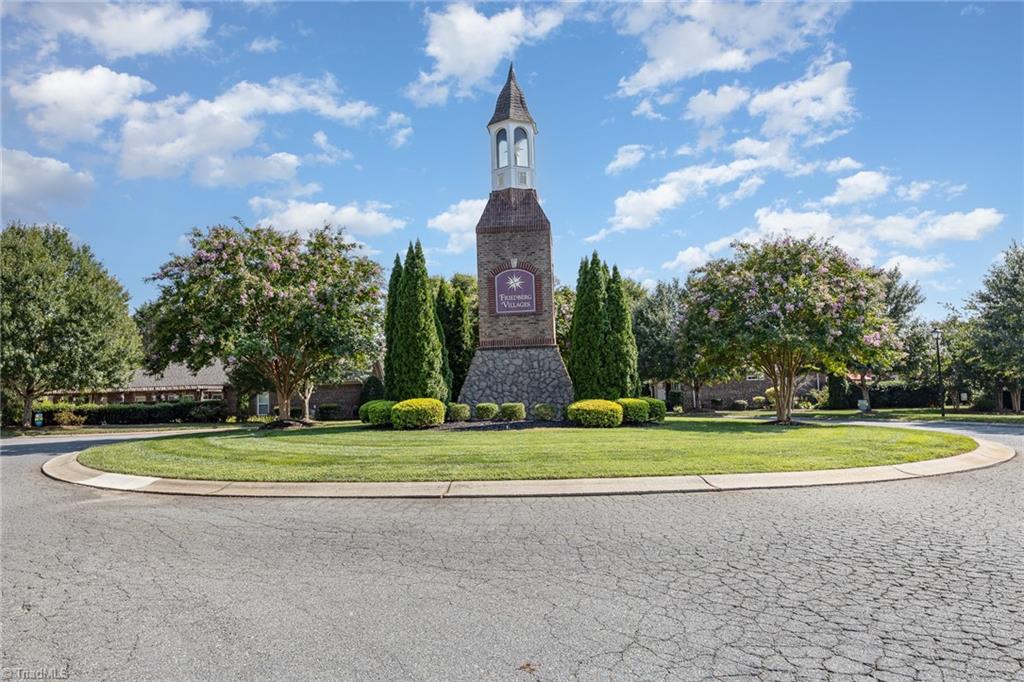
{"points": [[514, 282]]}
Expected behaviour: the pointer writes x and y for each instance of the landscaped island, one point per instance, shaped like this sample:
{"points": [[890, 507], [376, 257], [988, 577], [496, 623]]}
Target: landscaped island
{"points": [[354, 452]]}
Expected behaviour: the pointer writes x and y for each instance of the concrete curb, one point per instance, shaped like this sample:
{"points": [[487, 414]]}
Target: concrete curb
{"points": [[988, 453]]}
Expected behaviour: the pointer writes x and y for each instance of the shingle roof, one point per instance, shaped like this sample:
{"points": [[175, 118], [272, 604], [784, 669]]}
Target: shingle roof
{"points": [[513, 209], [180, 376], [511, 102]]}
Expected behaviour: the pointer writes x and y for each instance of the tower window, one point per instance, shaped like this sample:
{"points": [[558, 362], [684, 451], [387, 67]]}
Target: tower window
{"points": [[522, 148], [502, 142]]}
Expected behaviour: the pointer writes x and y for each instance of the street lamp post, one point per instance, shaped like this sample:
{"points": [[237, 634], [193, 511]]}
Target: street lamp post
{"points": [[937, 335]]}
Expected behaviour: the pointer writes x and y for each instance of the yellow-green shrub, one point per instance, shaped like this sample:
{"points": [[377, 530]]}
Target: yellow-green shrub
{"points": [[546, 412], [513, 412], [486, 410], [379, 412], [596, 413], [634, 410], [417, 413], [457, 412], [657, 409]]}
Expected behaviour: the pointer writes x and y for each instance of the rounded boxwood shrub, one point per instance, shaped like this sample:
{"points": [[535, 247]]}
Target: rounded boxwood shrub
{"points": [[634, 410], [657, 409], [513, 412], [69, 419], [760, 402], [378, 412], [417, 413], [738, 405], [546, 412], [457, 412], [599, 413], [486, 410]]}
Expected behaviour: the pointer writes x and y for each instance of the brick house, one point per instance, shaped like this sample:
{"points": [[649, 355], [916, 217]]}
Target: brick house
{"points": [[747, 388], [179, 383]]}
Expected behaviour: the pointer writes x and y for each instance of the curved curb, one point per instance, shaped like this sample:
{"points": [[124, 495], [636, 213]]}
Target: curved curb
{"points": [[67, 468]]}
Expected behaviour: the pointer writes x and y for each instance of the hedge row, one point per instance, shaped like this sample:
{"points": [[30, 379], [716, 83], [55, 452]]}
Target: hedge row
{"points": [[136, 413], [845, 394]]}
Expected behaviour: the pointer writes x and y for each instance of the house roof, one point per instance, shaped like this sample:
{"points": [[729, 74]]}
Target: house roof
{"points": [[179, 376], [511, 102]]}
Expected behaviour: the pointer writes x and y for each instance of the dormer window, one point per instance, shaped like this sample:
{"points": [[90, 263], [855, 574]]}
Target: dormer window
{"points": [[522, 148], [502, 142]]}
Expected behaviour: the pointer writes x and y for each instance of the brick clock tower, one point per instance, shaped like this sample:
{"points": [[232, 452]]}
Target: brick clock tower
{"points": [[517, 359]]}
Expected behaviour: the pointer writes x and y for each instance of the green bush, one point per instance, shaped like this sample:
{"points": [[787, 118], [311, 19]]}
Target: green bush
{"points": [[329, 412], [513, 412], [657, 409], [595, 413], [759, 402], [738, 405], [716, 403], [635, 410], [486, 410], [675, 399], [457, 412], [770, 395], [209, 411], [417, 413], [378, 412], [69, 419], [137, 413], [546, 412], [373, 389]]}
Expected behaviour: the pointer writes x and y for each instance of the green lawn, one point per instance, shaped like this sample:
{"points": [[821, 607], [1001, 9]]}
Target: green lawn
{"points": [[110, 428], [353, 452], [923, 414]]}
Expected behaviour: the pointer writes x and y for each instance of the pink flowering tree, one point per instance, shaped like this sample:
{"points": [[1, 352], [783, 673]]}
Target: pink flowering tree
{"points": [[788, 306], [288, 308]]}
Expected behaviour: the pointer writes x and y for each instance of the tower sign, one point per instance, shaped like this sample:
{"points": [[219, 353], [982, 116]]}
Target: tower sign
{"points": [[517, 359]]}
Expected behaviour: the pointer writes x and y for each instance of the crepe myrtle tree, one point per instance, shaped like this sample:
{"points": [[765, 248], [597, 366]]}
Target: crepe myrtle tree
{"points": [[286, 306], [788, 305]]}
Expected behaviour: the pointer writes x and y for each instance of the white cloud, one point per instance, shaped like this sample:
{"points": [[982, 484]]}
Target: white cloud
{"points": [[920, 230], [850, 234], [467, 46], [683, 41], [914, 190], [640, 209], [746, 189], [459, 223], [626, 157], [369, 218], [123, 30], [709, 108], [818, 101], [401, 129], [264, 44], [32, 183], [645, 108], [214, 171], [329, 154], [915, 267], [859, 187], [843, 164], [168, 137], [689, 258], [73, 103]]}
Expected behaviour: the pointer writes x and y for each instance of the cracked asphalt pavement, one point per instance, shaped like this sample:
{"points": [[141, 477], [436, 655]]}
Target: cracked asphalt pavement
{"points": [[919, 579]]}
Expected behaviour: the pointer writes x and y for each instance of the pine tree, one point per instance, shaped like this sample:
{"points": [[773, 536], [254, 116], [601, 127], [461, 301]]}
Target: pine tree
{"points": [[589, 331], [621, 379], [458, 335], [418, 350], [389, 328]]}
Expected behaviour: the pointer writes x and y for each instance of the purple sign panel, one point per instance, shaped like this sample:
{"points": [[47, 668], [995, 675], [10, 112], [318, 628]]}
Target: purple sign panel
{"points": [[514, 292]]}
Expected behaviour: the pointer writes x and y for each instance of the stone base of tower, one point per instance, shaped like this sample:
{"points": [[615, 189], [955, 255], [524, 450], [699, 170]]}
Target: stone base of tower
{"points": [[517, 375]]}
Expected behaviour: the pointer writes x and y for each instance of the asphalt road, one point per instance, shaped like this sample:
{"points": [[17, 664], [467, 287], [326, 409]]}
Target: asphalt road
{"points": [[919, 579]]}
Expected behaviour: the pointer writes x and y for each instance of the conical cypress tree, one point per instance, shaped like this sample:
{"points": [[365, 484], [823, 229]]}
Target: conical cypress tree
{"points": [[418, 350], [446, 368], [589, 331], [389, 328], [458, 335], [622, 379]]}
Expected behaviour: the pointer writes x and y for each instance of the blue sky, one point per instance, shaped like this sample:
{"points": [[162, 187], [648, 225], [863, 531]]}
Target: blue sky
{"points": [[666, 131]]}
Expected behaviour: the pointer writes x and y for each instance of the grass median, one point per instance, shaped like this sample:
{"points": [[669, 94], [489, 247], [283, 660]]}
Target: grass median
{"points": [[353, 452]]}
